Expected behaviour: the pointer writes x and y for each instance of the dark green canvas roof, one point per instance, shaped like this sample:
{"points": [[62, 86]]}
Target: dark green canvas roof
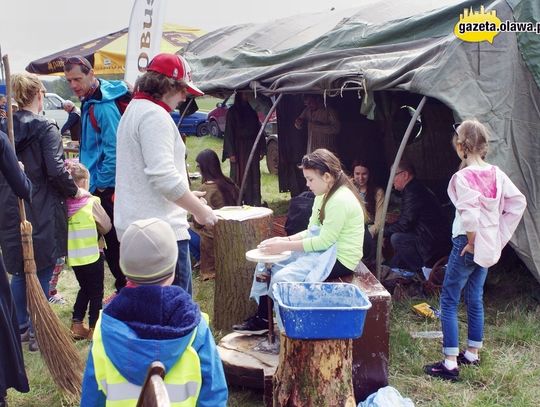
{"points": [[409, 46]]}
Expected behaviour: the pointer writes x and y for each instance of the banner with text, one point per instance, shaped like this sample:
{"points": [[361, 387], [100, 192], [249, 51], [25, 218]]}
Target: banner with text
{"points": [[144, 37]]}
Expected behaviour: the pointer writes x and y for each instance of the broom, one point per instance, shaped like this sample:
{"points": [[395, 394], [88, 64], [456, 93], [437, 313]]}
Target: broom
{"points": [[55, 344]]}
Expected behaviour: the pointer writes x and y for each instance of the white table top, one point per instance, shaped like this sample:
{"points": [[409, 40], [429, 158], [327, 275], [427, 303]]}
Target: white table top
{"points": [[258, 256]]}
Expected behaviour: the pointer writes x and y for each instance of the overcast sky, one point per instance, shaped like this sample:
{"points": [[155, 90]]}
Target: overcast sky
{"points": [[31, 29]]}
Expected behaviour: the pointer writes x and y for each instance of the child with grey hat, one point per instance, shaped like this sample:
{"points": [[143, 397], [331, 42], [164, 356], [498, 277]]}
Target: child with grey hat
{"points": [[151, 320]]}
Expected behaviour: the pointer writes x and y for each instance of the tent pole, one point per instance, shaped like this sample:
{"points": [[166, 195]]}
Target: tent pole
{"points": [[184, 113], [255, 144], [393, 170]]}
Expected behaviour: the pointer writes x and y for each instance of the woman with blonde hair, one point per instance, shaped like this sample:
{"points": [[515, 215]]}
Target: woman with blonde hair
{"points": [[38, 145]]}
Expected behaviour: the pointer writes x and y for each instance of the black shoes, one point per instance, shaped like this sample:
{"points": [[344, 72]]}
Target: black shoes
{"points": [[254, 326], [29, 336], [463, 361], [439, 370]]}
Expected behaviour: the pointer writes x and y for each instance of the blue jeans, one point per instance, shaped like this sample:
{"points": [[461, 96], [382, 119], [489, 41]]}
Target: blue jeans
{"points": [[462, 274], [195, 245], [182, 273], [18, 289]]}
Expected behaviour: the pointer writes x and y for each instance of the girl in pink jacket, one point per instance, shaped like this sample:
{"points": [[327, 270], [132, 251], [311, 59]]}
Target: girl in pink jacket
{"points": [[488, 209]]}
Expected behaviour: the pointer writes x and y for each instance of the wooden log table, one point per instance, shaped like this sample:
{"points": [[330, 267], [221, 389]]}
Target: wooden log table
{"points": [[313, 373], [238, 230]]}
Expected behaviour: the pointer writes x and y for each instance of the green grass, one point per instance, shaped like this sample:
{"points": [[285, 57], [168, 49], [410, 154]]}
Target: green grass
{"points": [[207, 103], [508, 375]]}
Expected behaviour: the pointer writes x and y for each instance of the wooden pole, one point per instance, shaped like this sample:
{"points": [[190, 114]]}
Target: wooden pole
{"points": [[254, 148]]}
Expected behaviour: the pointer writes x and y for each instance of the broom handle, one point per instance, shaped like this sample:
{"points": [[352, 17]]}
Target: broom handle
{"points": [[11, 136]]}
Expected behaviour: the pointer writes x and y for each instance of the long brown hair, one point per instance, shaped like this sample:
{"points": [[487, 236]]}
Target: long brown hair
{"points": [[322, 161], [371, 189], [210, 168]]}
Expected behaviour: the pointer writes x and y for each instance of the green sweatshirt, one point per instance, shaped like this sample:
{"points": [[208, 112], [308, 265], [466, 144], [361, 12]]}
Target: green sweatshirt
{"points": [[343, 224]]}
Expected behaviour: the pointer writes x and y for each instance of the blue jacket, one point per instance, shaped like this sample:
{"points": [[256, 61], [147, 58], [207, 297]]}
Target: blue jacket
{"points": [[98, 149], [149, 323]]}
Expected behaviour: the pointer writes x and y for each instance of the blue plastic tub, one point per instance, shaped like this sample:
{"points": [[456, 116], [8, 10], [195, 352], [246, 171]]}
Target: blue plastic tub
{"points": [[321, 310]]}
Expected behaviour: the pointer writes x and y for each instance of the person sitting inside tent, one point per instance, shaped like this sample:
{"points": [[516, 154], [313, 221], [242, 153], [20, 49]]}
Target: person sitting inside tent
{"points": [[421, 234], [151, 320]]}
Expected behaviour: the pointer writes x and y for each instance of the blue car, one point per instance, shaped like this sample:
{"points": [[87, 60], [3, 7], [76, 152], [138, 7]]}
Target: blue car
{"points": [[195, 123]]}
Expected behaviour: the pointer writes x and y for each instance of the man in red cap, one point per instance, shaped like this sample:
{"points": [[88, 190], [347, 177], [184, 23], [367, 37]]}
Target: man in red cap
{"points": [[151, 178]]}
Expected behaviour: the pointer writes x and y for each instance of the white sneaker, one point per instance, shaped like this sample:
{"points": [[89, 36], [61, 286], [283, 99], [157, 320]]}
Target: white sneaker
{"points": [[57, 299]]}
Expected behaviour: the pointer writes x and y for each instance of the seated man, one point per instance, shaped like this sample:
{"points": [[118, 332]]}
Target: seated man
{"points": [[421, 234], [151, 320]]}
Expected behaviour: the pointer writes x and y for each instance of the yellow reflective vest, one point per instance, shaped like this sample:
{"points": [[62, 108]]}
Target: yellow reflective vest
{"points": [[83, 247], [183, 381]]}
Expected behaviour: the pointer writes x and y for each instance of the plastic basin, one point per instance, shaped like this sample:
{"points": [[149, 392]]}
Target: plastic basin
{"points": [[321, 310]]}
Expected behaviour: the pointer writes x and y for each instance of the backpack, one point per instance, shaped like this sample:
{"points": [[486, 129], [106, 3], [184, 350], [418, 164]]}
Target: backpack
{"points": [[299, 212], [121, 103]]}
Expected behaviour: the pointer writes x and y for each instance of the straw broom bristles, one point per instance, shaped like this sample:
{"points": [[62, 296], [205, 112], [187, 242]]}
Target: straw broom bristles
{"points": [[55, 344]]}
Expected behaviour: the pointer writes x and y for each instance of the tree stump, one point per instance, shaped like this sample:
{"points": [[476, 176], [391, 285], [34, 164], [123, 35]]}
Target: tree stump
{"points": [[234, 274], [314, 373]]}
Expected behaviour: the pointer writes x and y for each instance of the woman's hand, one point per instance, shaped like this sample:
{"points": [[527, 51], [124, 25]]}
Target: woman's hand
{"points": [[205, 216], [81, 193], [200, 195], [274, 245]]}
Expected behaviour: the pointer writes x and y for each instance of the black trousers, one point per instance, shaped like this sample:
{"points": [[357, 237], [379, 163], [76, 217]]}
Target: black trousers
{"points": [[112, 252], [90, 295]]}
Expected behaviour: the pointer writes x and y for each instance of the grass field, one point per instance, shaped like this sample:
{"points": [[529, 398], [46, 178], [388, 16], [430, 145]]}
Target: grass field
{"points": [[207, 103], [510, 370]]}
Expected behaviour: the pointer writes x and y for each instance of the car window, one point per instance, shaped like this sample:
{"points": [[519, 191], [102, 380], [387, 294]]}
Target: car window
{"points": [[52, 103], [229, 101]]}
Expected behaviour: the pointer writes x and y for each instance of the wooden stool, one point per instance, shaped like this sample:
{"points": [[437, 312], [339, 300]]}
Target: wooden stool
{"points": [[314, 373], [268, 259]]}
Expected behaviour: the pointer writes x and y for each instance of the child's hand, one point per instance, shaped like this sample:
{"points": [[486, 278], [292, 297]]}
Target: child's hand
{"points": [[274, 245], [469, 248]]}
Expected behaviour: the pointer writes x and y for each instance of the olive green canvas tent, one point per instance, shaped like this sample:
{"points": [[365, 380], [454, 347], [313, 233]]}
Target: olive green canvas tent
{"points": [[371, 61]]}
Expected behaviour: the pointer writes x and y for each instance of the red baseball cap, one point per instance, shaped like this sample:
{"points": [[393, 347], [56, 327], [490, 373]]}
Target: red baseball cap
{"points": [[175, 67]]}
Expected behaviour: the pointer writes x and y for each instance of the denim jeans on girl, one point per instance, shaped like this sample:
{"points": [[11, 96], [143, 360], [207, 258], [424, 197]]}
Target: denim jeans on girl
{"points": [[18, 289], [462, 274]]}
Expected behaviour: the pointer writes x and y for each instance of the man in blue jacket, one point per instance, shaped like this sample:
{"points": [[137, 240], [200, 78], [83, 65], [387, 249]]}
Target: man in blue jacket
{"points": [[100, 115], [151, 320]]}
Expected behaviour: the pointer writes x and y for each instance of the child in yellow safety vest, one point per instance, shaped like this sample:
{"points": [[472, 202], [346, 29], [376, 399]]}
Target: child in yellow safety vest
{"points": [[87, 221], [151, 320]]}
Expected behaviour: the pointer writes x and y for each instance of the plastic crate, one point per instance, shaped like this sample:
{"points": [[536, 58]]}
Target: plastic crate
{"points": [[321, 310]]}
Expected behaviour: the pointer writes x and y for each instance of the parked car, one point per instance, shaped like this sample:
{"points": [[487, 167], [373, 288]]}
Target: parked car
{"points": [[53, 110], [195, 123], [217, 119]]}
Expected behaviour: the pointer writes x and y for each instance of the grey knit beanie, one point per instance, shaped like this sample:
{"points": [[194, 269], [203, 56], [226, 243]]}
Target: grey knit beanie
{"points": [[148, 251]]}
